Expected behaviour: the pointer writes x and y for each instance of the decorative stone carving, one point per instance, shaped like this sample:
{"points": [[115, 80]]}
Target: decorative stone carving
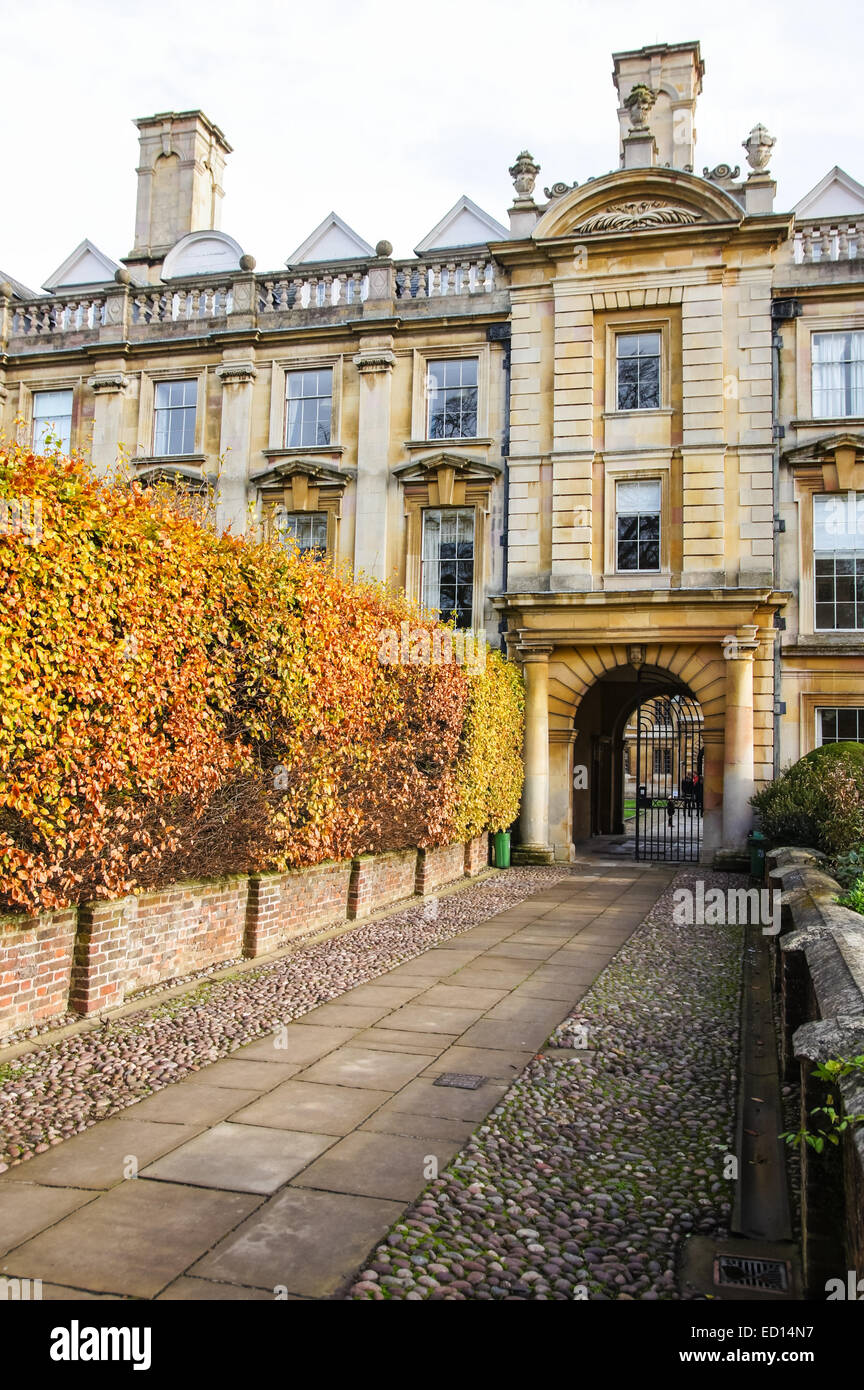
{"points": [[645, 212], [758, 145], [107, 383], [639, 104], [721, 172], [559, 189], [524, 175], [236, 373], [381, 360]]}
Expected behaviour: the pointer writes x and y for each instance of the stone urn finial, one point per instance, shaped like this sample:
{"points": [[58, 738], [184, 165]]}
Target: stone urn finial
{"points": [[639, 104], [758, 145], [524, 174]]}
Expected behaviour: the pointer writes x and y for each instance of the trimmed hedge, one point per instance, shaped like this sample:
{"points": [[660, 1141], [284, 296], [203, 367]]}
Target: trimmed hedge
{"points": [[176, 703], [818, 801]]}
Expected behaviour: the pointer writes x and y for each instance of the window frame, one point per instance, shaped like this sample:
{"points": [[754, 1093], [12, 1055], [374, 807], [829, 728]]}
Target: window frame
{"points": [[281, 511], [169, 410], [464, 509], [837, 709], [52, 390], [833, 332], [280, 370], [147, 413], [623, 325], [846, 553], [461, 389], [422, 357], [639, 569], [638, 333], [300, 372]]}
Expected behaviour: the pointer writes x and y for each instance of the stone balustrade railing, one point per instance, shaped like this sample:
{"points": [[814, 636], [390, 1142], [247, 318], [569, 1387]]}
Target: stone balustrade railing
{"points": [[120, 309], [837, 240]]}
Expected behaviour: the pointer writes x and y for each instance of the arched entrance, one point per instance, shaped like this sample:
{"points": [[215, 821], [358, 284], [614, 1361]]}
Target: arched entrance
{"points": [[639, 746]]}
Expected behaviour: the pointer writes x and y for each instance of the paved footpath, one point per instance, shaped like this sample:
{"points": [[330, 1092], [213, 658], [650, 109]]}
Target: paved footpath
{"points": [[273, 1172]]}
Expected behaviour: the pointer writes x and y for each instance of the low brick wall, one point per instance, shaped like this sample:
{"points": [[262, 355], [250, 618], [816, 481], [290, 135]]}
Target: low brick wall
{"points": [[35, 968], [92, 958], [439, 866], [477, 854], [282, 906], [133, 942], [820, 973], [380, 879]]}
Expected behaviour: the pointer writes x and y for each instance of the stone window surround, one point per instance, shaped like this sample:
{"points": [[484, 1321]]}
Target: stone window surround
{"points": [[650, 469], [280, 367], [298, 485], [144, 452], [805, 327], [810, 702], [24, 406], [625, 322], [419, 411], [436, 482], [810, 478]]}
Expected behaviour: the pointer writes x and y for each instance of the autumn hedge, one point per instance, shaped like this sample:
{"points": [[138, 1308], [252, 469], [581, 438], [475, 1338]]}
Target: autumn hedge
{"points": [[177, 703]]}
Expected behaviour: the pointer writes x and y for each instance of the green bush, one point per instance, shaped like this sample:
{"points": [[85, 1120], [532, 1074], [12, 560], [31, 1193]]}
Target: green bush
{"points": [[849, 867], [854, 897], [818, 801]]}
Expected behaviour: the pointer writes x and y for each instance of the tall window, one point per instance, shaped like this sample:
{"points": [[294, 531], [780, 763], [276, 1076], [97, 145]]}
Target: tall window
{"points": [[637, 522], [447, 581], [638, 370], [838, 374], [308, 408], [52, 417], [839, 725], [175, 407], [452, 396], [307, 529], [838, 561]]}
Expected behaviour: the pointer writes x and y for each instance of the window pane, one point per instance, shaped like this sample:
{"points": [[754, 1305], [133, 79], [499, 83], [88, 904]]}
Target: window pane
{"points": [[841, 724], [308, 407], [451, 388], [174, 431], [52, 418], [447, 583], [638, 497]]}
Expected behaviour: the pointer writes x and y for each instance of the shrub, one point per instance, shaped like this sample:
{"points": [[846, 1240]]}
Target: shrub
{"points": [[178, 703], [818, 801], [854, 896]]}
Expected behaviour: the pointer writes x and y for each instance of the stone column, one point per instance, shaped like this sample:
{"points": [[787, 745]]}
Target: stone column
{"points": [[238, 383], [374, 362], [738, 786], [562, 791], [534, 820], [109, 388]]}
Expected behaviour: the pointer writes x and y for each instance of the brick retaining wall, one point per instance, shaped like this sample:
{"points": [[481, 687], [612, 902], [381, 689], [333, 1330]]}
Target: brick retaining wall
{"points": [[94, 957]]}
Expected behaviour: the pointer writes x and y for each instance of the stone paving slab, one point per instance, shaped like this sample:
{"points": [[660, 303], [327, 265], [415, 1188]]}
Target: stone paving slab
{"points": [[273, 1172], [379, 1165], [303, 1240], [25, 1210], [240, 1158], [98, 1157], [133, 1240], [307, 1105]]}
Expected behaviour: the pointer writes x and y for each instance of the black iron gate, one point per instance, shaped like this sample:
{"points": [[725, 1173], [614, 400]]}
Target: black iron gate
{"points": [[669, 785]]}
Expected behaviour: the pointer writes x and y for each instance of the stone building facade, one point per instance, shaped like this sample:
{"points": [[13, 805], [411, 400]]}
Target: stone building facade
{"points": [[619, 436]]}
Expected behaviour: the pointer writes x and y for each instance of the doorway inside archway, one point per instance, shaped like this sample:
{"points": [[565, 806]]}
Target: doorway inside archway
{"points": [[665, 790], [639, 764]]}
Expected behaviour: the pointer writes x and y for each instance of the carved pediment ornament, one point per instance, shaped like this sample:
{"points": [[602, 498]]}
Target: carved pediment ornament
{"points": [[644, 212]]}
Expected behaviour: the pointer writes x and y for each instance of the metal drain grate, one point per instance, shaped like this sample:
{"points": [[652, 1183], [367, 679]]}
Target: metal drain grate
{"points": [[739, 1272], [465, 1080]]}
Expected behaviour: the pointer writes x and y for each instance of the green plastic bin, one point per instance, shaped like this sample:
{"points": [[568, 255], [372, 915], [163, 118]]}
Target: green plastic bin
{"points": [[756, 846], [501, 842]]}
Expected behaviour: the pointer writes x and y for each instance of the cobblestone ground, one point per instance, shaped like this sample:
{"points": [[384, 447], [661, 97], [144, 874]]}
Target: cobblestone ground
{"points": [[59, 1089], [584, 1181]]}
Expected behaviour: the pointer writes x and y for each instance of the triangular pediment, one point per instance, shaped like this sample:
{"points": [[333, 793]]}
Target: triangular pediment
{"points": [[311, 468], [820, 450], [332, 240], [86, 265], [419, 469], [836, 195], [638, 200], [465, 224]]}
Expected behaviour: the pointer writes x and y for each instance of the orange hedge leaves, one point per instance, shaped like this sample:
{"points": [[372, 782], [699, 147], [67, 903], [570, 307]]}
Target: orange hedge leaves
{"points": [[176, 703]]}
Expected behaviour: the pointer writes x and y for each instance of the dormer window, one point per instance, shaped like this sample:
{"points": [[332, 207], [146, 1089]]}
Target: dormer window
{"points": [[637, 371]]}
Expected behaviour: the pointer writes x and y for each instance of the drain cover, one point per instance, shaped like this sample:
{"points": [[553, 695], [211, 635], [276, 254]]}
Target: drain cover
{"points": [[465, 1080], [738, 1272]]}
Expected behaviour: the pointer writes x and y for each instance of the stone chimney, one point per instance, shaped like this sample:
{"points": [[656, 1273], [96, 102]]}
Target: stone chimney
{"points": [[672, 73], [180, 169]]}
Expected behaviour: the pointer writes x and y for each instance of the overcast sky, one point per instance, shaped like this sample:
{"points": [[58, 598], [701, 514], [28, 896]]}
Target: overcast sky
{"points": [[387, 113]]}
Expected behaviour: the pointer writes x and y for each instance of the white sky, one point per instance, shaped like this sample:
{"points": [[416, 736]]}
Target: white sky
{"points": [[387, 113]]}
